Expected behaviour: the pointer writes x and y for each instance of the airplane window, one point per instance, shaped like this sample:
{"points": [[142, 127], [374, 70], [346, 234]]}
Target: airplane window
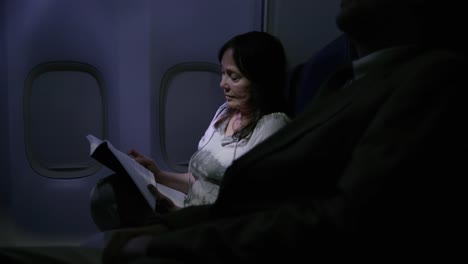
{"points": [[63, 102], [190, 93]]}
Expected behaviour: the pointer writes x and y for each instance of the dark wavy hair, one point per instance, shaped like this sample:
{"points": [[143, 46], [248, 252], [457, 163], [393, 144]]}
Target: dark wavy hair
{"points": [[261, 58]]}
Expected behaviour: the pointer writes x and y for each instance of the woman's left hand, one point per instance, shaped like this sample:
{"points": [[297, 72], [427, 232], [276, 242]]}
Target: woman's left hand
{"points": [[163, 203]]}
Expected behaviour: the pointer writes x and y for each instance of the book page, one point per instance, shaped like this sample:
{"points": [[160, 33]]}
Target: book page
{"points": [[104, 152], [116, 160], [94, 142], [176, 196], [140, 175]]}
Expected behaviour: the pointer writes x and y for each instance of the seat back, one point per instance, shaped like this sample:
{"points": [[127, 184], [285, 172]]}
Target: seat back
{"points": [[306, 78]]}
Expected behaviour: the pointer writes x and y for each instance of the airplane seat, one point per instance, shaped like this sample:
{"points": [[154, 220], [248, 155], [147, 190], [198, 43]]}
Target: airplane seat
{"points": [[116, 202], [103, 206], [305, 78], [114, 205]]}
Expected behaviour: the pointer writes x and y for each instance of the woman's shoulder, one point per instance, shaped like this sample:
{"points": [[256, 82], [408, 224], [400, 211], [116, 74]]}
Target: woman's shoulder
{"points": [[268, 125], [275, 117], [273, 121]]}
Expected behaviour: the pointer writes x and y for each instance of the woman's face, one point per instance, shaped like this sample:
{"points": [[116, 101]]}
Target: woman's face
{"points": [[236, 86]]}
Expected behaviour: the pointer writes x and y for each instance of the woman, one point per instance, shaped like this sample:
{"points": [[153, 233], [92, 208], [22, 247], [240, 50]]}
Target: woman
{"points": [[253, 80]]}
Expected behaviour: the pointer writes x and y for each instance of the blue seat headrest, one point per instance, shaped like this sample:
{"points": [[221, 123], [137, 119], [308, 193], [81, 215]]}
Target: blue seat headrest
{"points": [[306, 78]]}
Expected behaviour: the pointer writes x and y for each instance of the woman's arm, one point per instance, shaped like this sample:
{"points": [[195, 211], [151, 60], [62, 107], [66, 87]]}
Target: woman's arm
{"points": [[178, 181]]}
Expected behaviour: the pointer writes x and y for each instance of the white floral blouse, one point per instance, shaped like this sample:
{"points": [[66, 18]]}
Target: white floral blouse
{"points": [[217, 151]]}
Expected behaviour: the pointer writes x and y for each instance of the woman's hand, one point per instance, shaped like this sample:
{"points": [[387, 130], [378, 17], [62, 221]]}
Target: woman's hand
{"points": [[163, 203], [145, 161], [178, 181]]}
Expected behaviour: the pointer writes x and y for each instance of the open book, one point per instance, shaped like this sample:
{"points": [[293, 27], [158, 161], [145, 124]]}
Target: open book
{"points": [[104, 152]]}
